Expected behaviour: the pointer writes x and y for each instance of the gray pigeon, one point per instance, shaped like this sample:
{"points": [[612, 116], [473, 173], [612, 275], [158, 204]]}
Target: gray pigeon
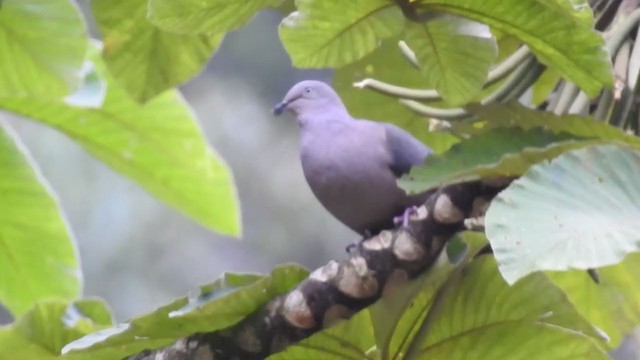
{"points": [[350, 164]]}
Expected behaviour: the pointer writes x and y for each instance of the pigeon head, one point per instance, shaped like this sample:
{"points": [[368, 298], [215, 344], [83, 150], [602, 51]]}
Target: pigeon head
{"points": [[309, 96]]}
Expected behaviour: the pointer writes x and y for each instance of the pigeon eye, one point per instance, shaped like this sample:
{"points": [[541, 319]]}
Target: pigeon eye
{"points": [[307, 90]]}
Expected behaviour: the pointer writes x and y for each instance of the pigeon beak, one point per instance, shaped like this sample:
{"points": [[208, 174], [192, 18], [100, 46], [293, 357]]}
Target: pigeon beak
{"points": [[280, 108]]}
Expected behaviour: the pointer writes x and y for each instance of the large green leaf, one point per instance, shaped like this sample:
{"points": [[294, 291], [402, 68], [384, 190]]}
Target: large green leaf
{"points": [[43, 45], [205, 16], [455, 55], [158, 144], [144, 59], [220, 305], [506, 141], [37, 254], [613, 304], [333, 33], [387, 64], [488, 319], [578, 211], [48, 326], [562, 39], [398, 317]]}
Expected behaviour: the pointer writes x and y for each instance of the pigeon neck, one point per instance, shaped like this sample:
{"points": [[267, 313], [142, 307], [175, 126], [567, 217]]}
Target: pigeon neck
{"points": [[321, 118]]}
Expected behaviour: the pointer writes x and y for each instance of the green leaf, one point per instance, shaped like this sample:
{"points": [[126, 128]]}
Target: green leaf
{"points": [[455, 55], [544, 86], [48, 326], [158, 144], [221, 304], [387, 64], [578, 211], [37, 255], [43, 46], [205, 16], [485, 317], [613, 305], [507, 140], [578, 9], [333, 33], [561, 38], [144, 59], [397, 318]]}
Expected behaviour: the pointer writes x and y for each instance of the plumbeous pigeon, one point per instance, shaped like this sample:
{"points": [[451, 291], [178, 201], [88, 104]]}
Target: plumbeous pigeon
{"points": [[350, 164]]}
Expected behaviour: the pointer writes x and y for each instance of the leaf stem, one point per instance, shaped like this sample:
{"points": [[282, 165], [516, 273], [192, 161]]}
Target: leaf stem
{"points": [[619, 33], [519, 81], [567, 96], [498, 73]]}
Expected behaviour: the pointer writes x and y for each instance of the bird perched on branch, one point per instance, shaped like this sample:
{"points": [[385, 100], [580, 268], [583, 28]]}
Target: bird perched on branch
{"points": [[351, 164]]}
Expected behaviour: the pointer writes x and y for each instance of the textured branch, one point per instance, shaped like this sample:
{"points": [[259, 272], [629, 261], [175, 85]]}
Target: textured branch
{"points": [[339, 289]]}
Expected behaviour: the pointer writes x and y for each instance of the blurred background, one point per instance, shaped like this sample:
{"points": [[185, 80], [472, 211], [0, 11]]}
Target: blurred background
{"points": [[138, 253]]}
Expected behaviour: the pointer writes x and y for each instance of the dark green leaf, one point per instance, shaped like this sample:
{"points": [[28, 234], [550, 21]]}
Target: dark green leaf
{"points": [[501, 152], [506, 141]]}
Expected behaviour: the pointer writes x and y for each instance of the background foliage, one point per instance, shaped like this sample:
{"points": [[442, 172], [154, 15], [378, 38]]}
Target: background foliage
{"points": [[551, 97]]}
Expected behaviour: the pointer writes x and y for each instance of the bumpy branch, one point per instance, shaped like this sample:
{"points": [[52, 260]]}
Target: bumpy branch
{"points": [[339, 289]]}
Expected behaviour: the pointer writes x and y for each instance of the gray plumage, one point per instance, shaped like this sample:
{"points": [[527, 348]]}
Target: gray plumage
{"points": [[350, 164]]}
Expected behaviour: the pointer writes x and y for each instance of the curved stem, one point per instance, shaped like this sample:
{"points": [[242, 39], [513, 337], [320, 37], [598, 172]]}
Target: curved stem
{"points": [[397, 91], [580, 105], [516, 78], [619, 33], [567, 97], [496, 74], [526, 82], [442, 114], [408, 54], [633, 70], [503, 69], [604, 105], [514, 87]]}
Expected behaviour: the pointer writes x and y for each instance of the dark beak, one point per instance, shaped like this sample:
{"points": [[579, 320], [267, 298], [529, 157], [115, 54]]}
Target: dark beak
{"points": [[280, 108]]}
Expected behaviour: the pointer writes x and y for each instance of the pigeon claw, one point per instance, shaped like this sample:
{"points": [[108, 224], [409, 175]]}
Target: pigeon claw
{"points": [[356, 244], [406, 215]]}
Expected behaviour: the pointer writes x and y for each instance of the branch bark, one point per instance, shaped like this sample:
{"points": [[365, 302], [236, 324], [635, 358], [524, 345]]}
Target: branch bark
{"points": [[339, 289]]}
